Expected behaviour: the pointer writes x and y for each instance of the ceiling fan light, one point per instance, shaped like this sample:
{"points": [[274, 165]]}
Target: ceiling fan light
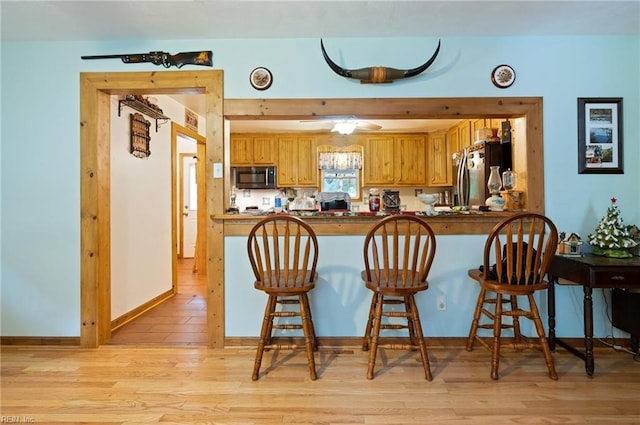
{"points": [[344, 127]]}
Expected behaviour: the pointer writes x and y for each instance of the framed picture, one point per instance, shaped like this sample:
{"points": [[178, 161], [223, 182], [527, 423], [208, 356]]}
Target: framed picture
{"points": [[600, 136], [190, 120], [503, 76], [261, 78]]}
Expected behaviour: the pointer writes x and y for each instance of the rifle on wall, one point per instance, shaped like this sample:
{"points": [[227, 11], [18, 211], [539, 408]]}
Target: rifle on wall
{"points": [[203, 58]]}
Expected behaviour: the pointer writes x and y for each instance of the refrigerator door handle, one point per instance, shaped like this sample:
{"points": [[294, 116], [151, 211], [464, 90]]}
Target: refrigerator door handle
{"points": [[463, 180]]}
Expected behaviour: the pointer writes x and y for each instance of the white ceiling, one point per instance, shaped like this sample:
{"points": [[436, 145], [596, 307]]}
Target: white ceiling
{"points": [[56, 20]]}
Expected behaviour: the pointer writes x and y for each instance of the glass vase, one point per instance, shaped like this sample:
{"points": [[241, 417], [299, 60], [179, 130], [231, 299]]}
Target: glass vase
{"points": [[494, 183], [495, 202]]}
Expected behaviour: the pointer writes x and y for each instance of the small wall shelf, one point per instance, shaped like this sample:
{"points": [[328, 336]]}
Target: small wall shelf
{"points": [[140, 139], [147, 110]]}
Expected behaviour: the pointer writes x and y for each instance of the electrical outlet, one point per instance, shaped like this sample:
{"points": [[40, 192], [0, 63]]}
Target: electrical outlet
{"points": [[266, 201], [442, 302]]}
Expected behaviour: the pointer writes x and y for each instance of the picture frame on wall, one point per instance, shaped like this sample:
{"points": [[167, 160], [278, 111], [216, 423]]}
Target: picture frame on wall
{"points": [[600, 136], [261, 78], [190, 120]]}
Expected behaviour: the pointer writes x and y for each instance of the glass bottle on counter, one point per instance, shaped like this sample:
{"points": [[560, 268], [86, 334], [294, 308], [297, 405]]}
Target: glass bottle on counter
{"points": [[374, 200], [509, 179], [494, 202]]}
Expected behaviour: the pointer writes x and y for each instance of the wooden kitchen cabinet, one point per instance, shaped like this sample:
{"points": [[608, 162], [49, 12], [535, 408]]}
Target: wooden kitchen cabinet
{"points": [[378, 160], [438, 160], [253, 150], [459, 136], [478, 124], [297, 161], [398, 160], [453, 139], [411, 160], [464, 134]]}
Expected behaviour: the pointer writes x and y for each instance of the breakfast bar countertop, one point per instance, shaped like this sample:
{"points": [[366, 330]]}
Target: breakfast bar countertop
{"points": [[358, 223]]}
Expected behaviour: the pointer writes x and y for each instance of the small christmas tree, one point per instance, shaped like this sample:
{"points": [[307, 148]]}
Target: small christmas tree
{"points": [[612, 238]]}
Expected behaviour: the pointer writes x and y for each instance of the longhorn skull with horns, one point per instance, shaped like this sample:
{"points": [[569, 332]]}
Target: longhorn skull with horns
{"points": [[378, 74]]}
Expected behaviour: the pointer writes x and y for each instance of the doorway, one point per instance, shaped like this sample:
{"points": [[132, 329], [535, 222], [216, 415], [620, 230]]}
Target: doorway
{"points": [[179, 316], [189, 183], [95, 92], [188, 200]]}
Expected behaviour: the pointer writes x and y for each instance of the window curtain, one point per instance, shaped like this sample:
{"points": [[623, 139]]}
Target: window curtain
{"points": [[340, 161]]}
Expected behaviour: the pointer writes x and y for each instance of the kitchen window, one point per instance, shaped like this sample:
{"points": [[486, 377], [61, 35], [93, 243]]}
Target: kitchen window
{"points": [[340, 170], [347, 181]]}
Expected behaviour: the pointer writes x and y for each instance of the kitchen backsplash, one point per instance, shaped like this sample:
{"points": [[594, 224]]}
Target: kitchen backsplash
{"points": [[264, 198]]}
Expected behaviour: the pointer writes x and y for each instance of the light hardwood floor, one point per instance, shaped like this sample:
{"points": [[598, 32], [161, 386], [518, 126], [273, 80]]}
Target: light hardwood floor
{"points": [[196, 385], [181, 320], [156, 370]]}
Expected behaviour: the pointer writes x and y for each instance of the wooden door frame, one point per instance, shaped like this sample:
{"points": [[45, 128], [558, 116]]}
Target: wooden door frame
{"points": [[177, 218], [96, 90]]}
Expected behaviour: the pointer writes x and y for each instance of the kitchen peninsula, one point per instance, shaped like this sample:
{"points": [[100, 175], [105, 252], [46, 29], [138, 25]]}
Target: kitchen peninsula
{"points": [[340, 299]]}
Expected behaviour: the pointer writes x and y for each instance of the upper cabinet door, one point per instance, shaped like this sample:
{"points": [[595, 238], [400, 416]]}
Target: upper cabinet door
{"points": [[287, 161], [439, 162], [265, 150], [411, 157], [464, 134], [241, 150], [378, 160], [307, 162]]}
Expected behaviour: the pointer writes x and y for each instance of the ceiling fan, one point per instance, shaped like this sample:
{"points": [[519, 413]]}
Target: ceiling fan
{"points": [[345, 125]]}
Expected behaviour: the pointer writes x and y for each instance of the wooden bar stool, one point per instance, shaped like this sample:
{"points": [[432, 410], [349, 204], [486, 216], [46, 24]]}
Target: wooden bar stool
{"points": [[398, 253], [283, 251], [520, 248]]}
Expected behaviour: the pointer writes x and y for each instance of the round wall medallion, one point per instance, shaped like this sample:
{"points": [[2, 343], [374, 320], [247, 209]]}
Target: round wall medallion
{"points": [[261, 78], [503, 76]]}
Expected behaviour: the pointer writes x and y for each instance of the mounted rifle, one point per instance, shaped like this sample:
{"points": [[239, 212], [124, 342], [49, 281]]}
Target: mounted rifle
{"points": [[203, 58]]}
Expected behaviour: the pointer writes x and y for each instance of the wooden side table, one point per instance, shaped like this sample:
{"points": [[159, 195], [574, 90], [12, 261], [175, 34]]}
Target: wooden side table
{"points": [[590, 271]]}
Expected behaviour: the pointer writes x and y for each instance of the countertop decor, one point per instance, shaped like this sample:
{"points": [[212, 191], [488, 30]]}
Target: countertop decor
{"points": [[611, 238]]}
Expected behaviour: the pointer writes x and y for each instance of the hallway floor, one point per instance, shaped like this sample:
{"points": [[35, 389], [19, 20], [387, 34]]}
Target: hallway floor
{"points": [[181, 320]]}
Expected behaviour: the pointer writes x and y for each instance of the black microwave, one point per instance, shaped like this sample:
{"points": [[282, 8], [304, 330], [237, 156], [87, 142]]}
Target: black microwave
{"points": [[254, 177]]}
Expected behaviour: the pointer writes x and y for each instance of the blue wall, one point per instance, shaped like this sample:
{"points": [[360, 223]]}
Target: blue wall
{"points": [[40, 138]]}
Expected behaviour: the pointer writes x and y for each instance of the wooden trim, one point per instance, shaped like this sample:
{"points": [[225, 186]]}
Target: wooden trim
{"points": [[381, 108], [40, 340], [178, 199], [95, 264], [230, 342], [141, 309], [200, 260]]}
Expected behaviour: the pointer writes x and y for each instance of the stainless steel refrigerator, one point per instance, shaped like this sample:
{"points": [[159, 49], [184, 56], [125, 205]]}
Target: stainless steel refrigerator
{"points": [[471, 171]]}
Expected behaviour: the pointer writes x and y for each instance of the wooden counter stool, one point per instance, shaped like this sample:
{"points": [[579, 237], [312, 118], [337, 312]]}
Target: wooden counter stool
{"points": [[283, 251], [398, 253], [517, 255]]}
